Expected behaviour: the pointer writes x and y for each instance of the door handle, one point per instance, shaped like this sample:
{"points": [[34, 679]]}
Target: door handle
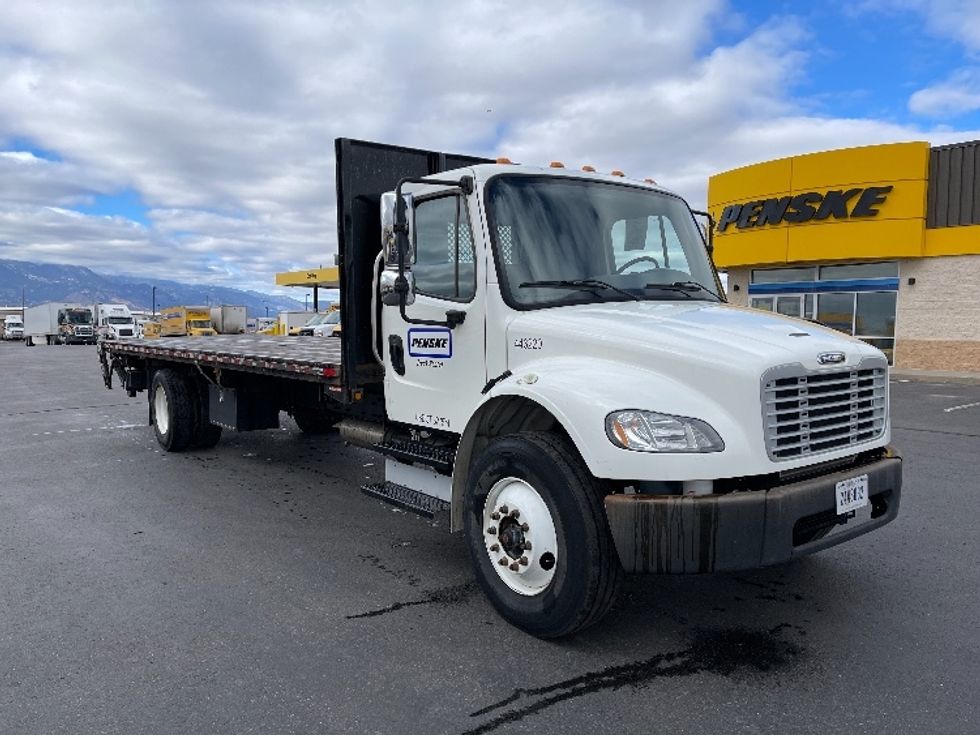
{"points": [[396, 351]]}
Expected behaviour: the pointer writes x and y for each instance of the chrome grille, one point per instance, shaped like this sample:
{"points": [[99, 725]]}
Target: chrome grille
{"points": [[808, 413]]}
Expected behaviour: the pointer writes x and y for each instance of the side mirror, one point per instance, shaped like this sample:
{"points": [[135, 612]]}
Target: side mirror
{"points": [[389, 243], [389, 293]]}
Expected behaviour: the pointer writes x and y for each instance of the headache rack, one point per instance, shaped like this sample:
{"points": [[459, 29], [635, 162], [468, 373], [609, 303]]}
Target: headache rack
{"points": [[811, 412]]}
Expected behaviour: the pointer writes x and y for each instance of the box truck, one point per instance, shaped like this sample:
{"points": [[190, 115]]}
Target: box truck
{"points": [[185, 321], [59, 323], [545, 358]]}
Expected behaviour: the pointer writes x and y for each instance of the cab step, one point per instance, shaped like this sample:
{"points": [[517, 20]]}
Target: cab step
{"points": [[440, 458], [407, 499]]}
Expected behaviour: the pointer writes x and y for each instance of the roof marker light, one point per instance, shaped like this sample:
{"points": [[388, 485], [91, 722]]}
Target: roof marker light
{"points": [[650, 181], [504, 159], [616, 172], [556, 164], [590, 169]]}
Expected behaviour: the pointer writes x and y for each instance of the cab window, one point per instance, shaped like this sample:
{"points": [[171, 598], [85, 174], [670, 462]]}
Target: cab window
{"points": [[444, 263]]}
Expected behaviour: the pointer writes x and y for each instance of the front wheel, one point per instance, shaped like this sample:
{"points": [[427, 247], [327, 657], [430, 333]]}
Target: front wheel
{"points": [[537, 532]]}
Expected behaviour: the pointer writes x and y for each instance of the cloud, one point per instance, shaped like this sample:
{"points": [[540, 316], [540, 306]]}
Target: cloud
{"points": [[221, 116], [957, 95]]}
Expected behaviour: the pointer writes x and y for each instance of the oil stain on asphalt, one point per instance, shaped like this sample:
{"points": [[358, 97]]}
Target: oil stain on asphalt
{"points": [[444, 596], [720, 652]]}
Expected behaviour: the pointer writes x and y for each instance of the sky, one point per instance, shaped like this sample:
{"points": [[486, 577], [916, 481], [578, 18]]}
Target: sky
{"points": [[194, 140]]}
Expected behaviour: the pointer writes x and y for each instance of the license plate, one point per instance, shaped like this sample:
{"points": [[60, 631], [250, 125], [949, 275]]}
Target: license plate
{"points": [[852, 494]]}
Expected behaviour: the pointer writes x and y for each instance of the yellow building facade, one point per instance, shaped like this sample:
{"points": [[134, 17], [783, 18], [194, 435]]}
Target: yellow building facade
{"points": [[881, 242]]}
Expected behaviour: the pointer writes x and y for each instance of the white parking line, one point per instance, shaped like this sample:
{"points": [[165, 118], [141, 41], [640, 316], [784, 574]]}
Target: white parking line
{"points": [[965, 405]]}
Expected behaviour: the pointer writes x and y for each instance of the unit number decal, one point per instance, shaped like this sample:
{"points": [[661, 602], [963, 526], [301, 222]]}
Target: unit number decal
{"points": [[428, 419], [529, 343]]}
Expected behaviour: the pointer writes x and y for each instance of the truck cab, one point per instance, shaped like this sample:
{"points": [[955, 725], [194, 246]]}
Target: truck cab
{"points": [[13, 327], [570, 329], [114, 321]]}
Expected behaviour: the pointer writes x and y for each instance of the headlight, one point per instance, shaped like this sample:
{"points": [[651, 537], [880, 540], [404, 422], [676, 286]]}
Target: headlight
{"points": [[646, 431]]}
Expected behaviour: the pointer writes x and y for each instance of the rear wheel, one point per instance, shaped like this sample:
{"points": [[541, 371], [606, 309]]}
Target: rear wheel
{"points": [[173, 407], [537, 532]]}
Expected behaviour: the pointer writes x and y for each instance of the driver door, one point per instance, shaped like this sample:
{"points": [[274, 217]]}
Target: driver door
{"points": [[434, 374]]}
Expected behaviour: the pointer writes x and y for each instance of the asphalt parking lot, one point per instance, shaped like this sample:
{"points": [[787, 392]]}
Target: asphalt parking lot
{"points": [[252, 589]]}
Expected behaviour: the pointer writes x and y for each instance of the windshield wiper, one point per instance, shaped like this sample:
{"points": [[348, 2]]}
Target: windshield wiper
{"points": [[591, 284], [684, 287]]}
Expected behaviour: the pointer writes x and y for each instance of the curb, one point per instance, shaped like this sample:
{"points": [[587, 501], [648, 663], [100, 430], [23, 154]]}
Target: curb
{"points": [[934, 376]]}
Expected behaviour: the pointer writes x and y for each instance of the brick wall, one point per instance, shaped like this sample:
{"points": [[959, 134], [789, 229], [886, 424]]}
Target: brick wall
{"points": [[938, 321]]}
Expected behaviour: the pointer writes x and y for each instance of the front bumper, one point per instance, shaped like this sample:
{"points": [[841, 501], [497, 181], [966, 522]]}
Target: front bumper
{"points": [[671, 534]]}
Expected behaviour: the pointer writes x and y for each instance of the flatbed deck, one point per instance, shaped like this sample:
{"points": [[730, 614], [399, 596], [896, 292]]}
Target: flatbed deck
{"points": [[310, 358]]}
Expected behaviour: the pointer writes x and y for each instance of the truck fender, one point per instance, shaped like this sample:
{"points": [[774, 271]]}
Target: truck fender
{"points": [[550, 394]]}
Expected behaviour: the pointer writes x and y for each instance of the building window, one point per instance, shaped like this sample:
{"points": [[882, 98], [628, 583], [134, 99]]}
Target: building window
{"points": [[858, 299]]}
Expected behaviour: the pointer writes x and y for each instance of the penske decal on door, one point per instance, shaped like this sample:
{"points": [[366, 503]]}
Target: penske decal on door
{"points": [[430, 342]]}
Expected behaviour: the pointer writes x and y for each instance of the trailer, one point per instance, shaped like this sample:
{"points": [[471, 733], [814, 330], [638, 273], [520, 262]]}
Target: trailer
{"points": [[545, 359], [228, 319]]}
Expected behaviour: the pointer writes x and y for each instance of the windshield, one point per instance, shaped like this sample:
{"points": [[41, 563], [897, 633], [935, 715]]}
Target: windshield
{"points": [[118, 320], [318, 319], [332, 318], [78, 316], [200, 323], [612, 242]]}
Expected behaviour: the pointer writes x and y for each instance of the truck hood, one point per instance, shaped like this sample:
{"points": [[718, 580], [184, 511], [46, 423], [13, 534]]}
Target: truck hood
{"points": [[675, 337]]}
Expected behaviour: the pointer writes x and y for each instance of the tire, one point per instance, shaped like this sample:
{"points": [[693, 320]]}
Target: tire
{"points": [[172, 406], [206, 434], [562, 516], [314, 421]]}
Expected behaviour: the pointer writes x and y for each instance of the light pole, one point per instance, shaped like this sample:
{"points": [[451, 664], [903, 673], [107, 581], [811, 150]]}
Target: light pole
{"points": [[154, 301], [306, 302]]}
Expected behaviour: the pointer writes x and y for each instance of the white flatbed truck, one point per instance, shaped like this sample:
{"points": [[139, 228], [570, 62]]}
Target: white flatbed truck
{"points": [[545, 356]]}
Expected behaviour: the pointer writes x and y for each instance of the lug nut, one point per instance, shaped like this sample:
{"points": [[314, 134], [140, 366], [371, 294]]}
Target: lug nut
{"points": [[515, 513], [514, 567], [523, 561], [527, 546], [525, 528], [495, 516], [504, 510], [495, 547], [492, 530], [503, 561]]}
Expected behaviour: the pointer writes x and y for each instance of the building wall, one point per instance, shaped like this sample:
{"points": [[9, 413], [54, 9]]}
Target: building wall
{"points": [[938, 320]]}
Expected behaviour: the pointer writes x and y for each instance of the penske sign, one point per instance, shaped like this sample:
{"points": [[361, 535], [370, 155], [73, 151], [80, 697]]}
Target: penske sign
{"points": [[839, 204]]}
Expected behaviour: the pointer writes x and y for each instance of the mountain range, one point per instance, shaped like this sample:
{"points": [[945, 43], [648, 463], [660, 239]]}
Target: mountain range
{"points": [[38, 283]]}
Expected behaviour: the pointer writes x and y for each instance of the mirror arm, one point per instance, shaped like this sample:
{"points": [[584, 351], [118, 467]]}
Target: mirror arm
{"points": [[453, 317]]}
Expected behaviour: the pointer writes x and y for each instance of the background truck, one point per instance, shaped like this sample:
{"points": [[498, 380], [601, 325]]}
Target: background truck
{"points": [[13, 327], [229, 319], [544, 357], [59, 323], [186, 321], [114, 321]]}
